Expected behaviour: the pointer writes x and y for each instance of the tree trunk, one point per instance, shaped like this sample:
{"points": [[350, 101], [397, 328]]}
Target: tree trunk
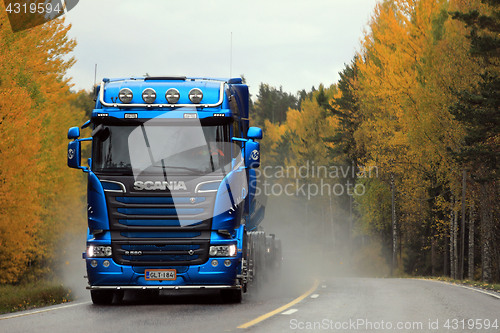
{"points": [[486, 233], [446, 261], [455, 243], [433, 252], [452, 240], [471, 242]]}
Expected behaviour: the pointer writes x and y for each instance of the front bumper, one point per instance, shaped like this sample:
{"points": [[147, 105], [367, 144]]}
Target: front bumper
{"points": [[193, 277], [162, 287]]}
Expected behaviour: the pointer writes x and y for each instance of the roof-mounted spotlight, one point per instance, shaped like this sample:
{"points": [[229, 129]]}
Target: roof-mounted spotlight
{"points": [[149, 95], [195, 96], [172, 95], [125, 95]]}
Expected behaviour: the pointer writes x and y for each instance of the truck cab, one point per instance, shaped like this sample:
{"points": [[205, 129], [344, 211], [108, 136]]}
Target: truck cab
{"points": [[171, 186]]}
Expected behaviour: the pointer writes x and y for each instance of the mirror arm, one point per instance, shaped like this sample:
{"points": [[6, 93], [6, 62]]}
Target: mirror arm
{"points": [[87, 124]]}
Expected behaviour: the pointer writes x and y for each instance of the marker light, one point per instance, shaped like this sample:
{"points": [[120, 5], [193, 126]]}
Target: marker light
{"points": [[149, 95], [172, 95], [125, 95], [195, 95]]}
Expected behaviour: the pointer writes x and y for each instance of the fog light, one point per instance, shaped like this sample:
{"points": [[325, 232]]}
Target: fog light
{"points": [[93, 263], [227, 262], [215, 263], [222, 250], [97, 251], [105, 263]]}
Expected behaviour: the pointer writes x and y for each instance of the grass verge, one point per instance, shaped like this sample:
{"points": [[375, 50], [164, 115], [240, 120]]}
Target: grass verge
{"points": [[32, 295], [477, 284]]}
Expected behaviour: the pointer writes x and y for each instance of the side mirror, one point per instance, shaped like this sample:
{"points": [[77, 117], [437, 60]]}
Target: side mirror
{"points": [[73, 133], [254, 133], [252, 154], [74, 153]]}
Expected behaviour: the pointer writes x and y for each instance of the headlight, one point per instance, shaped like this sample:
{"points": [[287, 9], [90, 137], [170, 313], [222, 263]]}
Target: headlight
{"points": [[98, 251], [149, 95], [195, 95], [223, 251], [125, 95], [172, 95]]}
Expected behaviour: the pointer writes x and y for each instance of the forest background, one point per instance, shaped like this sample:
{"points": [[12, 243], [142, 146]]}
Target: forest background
{"points": [[418, 104]]}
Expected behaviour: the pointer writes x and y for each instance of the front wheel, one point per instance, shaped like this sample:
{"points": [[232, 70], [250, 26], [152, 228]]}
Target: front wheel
{"points": [[102, 297], [231, 295]]}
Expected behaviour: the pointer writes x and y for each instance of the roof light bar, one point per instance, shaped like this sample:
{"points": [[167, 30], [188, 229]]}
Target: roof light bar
{"points": [[126, 96]]}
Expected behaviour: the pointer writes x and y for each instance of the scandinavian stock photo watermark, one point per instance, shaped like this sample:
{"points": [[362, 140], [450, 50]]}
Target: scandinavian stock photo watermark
{"points": [[360, 324], [311, 180]]}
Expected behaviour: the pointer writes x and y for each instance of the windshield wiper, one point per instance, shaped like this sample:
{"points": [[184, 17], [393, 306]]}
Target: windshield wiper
{"points": [[177, 167]]}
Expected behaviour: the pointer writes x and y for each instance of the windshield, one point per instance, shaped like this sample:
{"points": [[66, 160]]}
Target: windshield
{"points": [[160, 148]]}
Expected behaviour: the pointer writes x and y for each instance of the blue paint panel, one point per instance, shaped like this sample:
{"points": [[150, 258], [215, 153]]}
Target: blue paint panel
{"points": [[97, 209], [111, 186]]}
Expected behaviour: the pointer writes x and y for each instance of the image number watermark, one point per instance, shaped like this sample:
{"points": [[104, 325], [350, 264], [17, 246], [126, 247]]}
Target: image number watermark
{"points": [[26, 14]]}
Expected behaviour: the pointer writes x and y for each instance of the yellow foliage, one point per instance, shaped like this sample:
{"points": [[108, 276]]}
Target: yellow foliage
{"points": [[37, 190]]}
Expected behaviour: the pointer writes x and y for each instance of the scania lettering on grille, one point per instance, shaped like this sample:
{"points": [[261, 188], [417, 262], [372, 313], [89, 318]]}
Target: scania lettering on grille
{"points": [[159, 185]]}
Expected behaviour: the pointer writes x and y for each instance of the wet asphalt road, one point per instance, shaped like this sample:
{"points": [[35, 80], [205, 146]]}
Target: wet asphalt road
{"points": [[340, 304]]}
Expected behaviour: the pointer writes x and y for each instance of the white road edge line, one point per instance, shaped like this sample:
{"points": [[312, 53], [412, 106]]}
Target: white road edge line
{"points": [[466, 287], [314, 295], [289, 312], [44, 310]]}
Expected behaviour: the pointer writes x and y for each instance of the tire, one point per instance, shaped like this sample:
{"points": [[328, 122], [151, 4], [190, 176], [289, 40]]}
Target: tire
{"points": [[259, 259], [102, 297], [278, 254], [119, 294], [231, 295], [245, 256]]}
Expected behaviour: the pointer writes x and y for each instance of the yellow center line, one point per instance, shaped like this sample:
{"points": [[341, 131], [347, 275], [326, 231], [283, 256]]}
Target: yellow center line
{"points": [[281, 309]]}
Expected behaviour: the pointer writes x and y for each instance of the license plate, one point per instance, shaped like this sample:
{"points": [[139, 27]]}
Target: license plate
{"points": [[160, 274]]}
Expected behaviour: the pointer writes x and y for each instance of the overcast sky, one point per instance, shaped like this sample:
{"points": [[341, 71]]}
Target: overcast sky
{"points": [[295, 44]]}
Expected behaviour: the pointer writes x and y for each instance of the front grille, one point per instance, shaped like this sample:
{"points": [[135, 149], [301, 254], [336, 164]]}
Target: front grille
{"points": [[161, 252], [160, 230], [179, 269], [143, 213], [142, 247]]}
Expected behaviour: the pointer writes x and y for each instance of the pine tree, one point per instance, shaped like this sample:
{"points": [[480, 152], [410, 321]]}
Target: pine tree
{"points": [[478, 109]]}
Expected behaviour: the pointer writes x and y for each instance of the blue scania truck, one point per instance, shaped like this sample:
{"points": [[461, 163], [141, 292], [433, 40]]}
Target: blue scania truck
{"points": [[172, 189]]}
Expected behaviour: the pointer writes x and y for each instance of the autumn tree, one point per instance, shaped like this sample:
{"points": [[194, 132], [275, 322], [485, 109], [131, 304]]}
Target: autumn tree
{"points": [[37, 191], [478, 110]]}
